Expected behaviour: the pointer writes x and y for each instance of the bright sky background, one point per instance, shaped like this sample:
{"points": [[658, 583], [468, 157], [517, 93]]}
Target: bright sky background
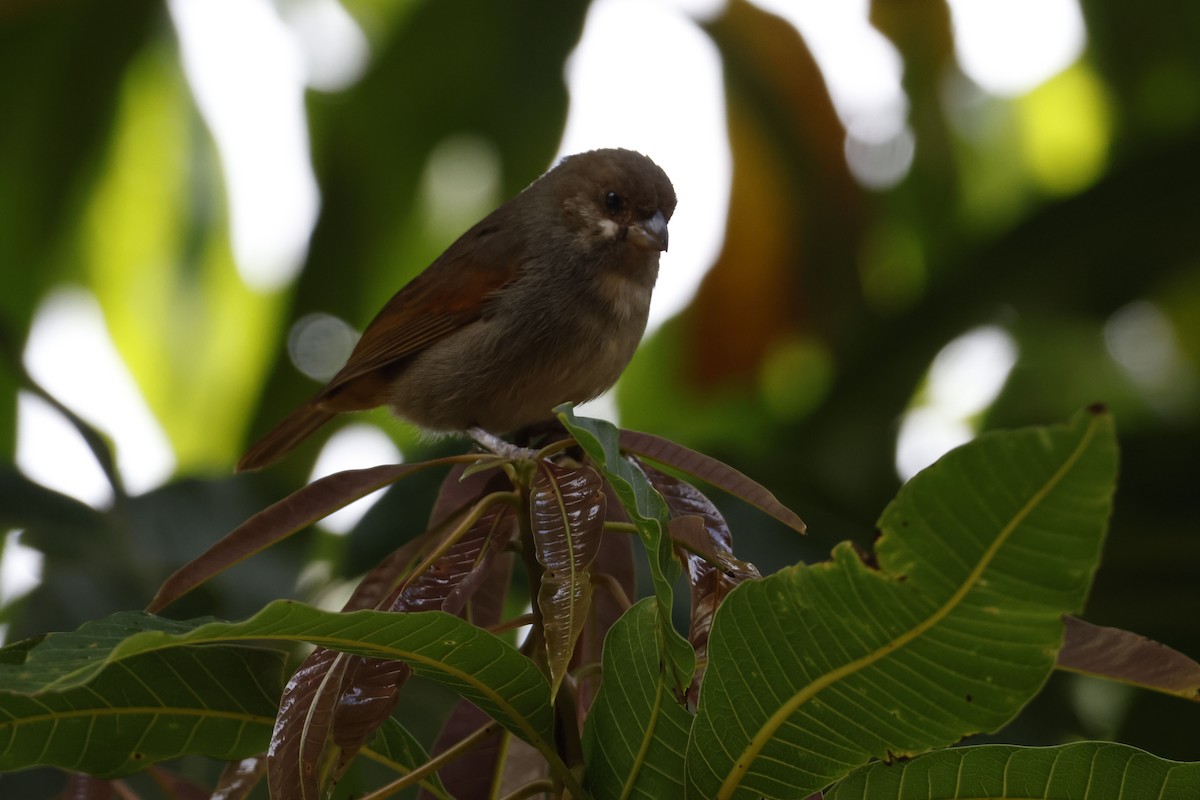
{"points": [[249, 68]]}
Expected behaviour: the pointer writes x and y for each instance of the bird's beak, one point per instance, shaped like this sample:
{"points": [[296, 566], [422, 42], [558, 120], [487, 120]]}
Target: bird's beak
{"points": [[652, 233]]}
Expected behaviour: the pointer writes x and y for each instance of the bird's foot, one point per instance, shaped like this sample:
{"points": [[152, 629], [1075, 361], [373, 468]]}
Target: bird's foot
{"points": [[494, 444]]}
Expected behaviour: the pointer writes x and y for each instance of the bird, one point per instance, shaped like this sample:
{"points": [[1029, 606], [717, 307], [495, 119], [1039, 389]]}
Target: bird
{"points": [[542, 302]]}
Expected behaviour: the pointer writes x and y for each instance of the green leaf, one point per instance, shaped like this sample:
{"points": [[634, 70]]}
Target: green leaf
{"points": [[472, 662], [648, 511], [475, 664], [637, 731], [1095, 770], [814, 671], [124, 715]]}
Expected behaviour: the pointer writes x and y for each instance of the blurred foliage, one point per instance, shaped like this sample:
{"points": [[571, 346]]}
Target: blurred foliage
{"points": [[1054, 216]]}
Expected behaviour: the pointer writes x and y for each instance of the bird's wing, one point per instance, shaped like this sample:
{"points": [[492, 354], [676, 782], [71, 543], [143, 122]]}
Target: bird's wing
{"points": [[451, 293]]}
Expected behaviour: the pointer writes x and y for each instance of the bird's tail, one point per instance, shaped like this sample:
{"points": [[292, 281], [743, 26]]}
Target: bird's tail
{"points": [[295, 428]]}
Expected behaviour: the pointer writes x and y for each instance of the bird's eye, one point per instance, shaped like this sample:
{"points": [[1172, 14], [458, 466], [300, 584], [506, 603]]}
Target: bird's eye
{"points": [[613, 202]]}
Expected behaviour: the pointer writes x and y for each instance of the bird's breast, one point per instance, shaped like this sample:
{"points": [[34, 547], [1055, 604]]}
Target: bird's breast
{"points": [[627, 295]]}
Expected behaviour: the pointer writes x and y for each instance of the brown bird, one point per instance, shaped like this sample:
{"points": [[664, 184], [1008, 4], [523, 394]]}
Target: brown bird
{"points": [[541, 302]]}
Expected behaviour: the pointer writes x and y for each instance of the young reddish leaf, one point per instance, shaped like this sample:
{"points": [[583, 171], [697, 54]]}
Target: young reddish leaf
{"points": [[298, 762], [302, 728], [616, 583], [690, 535], [685, 500], [450, 580], [485, 607], [275, 523], [712, 570], [85, 787], [343, 699], [566, 510], [460, 491], [709, 470], [239, 778], [1127, 657], [709, 590], [370, 687], [377, 587], [444, 586]]}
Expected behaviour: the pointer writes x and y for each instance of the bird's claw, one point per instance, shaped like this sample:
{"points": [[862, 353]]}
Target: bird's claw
{"points": [[494, 444]]}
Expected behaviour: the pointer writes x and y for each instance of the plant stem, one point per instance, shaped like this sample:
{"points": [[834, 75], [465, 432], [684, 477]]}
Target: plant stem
{"points": [[543, 786], [455, 751]]}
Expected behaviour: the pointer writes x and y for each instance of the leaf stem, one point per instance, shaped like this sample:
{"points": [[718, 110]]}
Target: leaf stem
{"points": [[531, 789], [455, 751], [509, 624], [614, 589]]}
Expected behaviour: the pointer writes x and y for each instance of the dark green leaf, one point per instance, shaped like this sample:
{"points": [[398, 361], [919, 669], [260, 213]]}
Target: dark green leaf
{"points": [[1092, 770], [115, 716], [649, 513], [817, 669], [637, 731]]}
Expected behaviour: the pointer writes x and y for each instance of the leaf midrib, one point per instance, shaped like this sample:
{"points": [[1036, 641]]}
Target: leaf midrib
{"points": [[741, 765]]}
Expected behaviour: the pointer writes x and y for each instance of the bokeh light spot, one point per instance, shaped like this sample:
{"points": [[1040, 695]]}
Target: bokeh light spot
{"points": [[70, 353], [461, 184], [319, 344], [1065, 128], [1144, 343], [1010, 46], [880, 165], [247, 73], [353, 447], [963, 380], [795, 377]]}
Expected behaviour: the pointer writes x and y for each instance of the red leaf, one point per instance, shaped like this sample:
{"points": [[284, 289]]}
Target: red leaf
{"points": [[708, 546], [616, 564], [298, 762], [566, 510], [370, 687], [239, 778], [335, 702], [85, 787], [1127, 657], [275, 523], [709, 470]]}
